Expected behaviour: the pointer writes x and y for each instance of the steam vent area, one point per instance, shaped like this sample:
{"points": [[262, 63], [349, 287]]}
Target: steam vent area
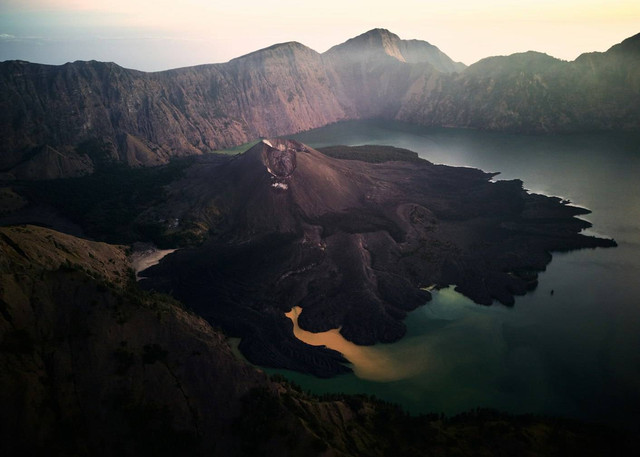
{"points": [[279, 156]]}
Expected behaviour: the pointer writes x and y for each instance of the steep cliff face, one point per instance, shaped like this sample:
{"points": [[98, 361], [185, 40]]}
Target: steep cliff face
{"points": [[377, 69], [286, 87], [66, 120], [97, 112]]}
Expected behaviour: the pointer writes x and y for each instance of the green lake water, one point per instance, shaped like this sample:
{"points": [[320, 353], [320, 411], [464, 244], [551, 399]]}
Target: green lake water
{"points": [[573, 353]]}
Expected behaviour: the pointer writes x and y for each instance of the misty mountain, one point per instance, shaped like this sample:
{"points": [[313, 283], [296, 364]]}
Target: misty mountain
{"points": [[377, 43], [67, 120]]}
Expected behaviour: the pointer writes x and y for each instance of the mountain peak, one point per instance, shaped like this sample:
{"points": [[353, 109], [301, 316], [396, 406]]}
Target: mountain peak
{"points": [[288, 47], [529, 61], [375, 42], [379, 32], [381, 43]]}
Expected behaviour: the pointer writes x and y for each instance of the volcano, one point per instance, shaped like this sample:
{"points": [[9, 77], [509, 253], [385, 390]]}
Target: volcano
{"points": [[354, 243]]}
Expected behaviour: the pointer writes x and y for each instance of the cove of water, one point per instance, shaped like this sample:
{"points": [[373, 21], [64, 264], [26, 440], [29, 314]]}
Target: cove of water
{"points": [[573, 353]]}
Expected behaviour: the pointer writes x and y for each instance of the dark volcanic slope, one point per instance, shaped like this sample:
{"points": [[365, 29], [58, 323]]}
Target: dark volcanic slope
{"points": [[351, 242]]}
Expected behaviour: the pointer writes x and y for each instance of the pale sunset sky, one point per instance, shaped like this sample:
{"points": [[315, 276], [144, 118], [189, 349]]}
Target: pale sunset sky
{"points": [[155, 35]]}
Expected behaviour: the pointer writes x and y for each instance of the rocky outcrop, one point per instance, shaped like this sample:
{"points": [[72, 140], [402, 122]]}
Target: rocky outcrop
{"points": [[66, 120]]}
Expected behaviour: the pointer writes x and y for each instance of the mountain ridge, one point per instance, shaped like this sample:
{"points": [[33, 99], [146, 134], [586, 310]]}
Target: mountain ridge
{"points": [[91, 113], [381, 41]]}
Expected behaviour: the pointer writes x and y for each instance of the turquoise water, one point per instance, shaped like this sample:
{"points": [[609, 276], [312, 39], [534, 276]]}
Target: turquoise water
{"points": [[575, 352]]}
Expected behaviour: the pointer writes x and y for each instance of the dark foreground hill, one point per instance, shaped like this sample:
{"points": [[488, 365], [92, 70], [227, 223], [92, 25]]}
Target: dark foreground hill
{"points": [[68, 120], [91, 365]]}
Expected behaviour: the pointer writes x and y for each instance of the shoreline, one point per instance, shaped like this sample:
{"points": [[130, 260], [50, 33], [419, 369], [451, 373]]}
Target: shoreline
{"points": [[370, 363]]}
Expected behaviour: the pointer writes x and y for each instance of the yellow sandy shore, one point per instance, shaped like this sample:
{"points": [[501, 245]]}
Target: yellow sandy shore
{"points": [[376, 363]]}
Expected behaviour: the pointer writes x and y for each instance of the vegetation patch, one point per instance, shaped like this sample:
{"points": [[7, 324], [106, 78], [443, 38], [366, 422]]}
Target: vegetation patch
{"points": [[238, 149], [371, 153], [106, 203]]}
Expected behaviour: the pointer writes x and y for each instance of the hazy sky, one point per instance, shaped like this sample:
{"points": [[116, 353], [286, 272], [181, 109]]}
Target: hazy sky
{"points": [[162, 34]]}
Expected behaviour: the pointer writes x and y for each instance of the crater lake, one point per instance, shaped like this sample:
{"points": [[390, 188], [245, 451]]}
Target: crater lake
{"points": [[569, 348]]}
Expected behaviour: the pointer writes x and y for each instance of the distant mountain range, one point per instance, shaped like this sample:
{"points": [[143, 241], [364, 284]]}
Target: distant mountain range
{"points": [[67, 120]]}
